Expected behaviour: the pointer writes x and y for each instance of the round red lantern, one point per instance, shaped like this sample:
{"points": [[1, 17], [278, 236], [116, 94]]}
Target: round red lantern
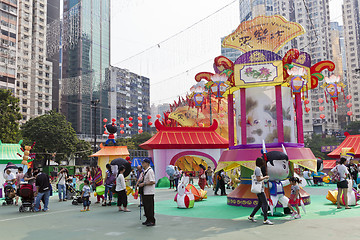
{"points": [[348, 97], [122, 131], [130, 124], [149, 117], [306, 101], [122, 125], [320, 100], [140, 124], [140, 131], [322, 116], [139, 118], [130, 118], [349, 105], [349, 113], [150, 123], [158, 115], [122, 119], [105, 120]]}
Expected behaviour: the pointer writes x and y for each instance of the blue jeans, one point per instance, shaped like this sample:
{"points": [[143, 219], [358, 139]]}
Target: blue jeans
{"points": [[108, 190], [39, 196], [62, 191], [210, 180], [86, 202]]}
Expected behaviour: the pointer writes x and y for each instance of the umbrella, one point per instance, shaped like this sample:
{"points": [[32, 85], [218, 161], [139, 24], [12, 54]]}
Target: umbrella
{"points": [[170, 170], [120, 161], [10, 166]]}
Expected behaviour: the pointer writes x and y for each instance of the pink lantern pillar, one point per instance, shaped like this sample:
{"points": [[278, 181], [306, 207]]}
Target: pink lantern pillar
{"points": [[279, 114], [243, 115], [299, 118], [231, 119]]}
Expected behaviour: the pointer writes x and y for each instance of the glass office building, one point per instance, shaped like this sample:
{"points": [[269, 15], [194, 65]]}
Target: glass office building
{"points": [[85, 63]]}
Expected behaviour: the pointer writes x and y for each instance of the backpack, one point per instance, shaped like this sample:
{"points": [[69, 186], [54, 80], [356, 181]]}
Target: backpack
{"points": [[336, 176]]}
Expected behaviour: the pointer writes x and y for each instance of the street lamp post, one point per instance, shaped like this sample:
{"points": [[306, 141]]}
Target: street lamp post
{"points": [[95, 103]]}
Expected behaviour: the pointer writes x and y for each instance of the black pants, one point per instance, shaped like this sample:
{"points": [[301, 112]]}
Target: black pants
{"points": [[221, 185], [262, 203], [148, 202], [172, 183], [122, 199]]}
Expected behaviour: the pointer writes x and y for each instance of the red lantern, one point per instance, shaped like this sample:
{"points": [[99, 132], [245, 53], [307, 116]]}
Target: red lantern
{"points": [[306, 101], [140, 131], [349, 113], [113, 120], [122, 125], [140, 124], [307, 109], [322, 116], [105, 120], [349, 105], [150, 123], [122, 131], [104, 125], [130, 124], [221, 115], [320, 100], [348, 97], [139, 118], [122, 119], [105, 132], [127, 158], [168, 121], [158, 115], [149, 117], [130, 118], [321, 108]]}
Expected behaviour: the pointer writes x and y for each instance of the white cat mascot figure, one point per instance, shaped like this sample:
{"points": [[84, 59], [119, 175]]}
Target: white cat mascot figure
{"points": [[184, 198]]}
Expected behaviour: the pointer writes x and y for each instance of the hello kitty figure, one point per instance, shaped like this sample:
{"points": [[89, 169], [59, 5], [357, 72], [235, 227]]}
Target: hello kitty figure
{"points": [[184, 198]]}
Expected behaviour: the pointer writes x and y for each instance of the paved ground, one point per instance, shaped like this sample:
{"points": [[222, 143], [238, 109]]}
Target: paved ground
{"points": [[65, 221]]}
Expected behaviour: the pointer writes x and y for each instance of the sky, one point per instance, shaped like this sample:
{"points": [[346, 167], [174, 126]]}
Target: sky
{"points": [[139, 28]]}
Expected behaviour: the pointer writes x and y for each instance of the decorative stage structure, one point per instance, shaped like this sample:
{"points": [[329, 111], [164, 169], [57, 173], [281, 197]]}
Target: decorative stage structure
{"points": [[270, 93]]}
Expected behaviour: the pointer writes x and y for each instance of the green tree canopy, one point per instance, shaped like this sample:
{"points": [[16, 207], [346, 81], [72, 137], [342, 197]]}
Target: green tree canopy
{"points": [[134, 141], [316, 141], [9, 117], [52, 134], [353, 127]]}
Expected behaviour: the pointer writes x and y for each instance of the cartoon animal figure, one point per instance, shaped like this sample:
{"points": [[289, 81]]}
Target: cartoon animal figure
{"points": [[347, 153], [352, 195], [111, 128], [278, 170], [184, 198]]}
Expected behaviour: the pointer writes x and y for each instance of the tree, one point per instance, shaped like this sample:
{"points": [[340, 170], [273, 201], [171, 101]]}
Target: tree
{"points": [[134, 142], [9, 117], [83, 151], [353, 127], [52, 134], [316, 141]]}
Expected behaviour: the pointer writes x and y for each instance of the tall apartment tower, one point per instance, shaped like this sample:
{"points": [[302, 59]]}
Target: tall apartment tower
{"points": [[85, 65], [34, 72], [8, 48], [314, 17], [351, 18]]}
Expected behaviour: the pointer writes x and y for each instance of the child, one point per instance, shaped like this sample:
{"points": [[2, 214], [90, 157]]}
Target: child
{"points": [[85, 196], [121, 190], [294, 198]]}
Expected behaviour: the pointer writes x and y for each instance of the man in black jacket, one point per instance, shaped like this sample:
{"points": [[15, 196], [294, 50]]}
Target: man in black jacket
{"points": [[42, 190]]}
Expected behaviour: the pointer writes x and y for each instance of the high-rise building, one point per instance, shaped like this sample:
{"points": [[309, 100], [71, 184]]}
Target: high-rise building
{"points": [[85, 61], [351, 18], [34, 72], [314, 17], [8, 45], [129, 97]]}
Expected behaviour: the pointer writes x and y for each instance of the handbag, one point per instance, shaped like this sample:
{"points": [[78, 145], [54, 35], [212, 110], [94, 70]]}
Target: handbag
{"points": [[256, 186], [110, 180], [336, 176]]}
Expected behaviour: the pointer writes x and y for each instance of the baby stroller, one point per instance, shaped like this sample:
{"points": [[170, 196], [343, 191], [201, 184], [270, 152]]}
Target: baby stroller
{"points": [[77, 198], [9, 194], [27, 198], [70, 190]]}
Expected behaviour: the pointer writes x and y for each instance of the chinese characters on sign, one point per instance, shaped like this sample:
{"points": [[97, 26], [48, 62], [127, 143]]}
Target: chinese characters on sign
{"points": [[328, 148]]}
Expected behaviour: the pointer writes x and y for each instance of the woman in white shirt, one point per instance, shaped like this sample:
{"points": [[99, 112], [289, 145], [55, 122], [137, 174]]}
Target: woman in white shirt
{"points": [[342, 185], [121, 190]]}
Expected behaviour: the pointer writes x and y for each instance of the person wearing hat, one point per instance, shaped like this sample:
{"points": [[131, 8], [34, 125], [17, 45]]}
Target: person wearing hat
{"points": [[148, 185]]}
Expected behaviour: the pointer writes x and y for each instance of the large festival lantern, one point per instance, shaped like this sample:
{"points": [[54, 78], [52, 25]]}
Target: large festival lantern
{"points": [[270, 92], [333, 87]]}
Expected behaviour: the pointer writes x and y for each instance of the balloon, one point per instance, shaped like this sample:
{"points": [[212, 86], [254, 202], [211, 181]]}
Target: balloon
{"points": [[321, 108], [322, 116], [349, 113], [122, 131], [348, 97], [122, 119], [158, 115], [168, 121], [113, 120], [349, 105], [130, 118], [122, 125], [140, 124], [140, 131], [105, 120], [307, 109], [150, 123], [149, 117], [130, 124], [139, 118], [320, 100], [306, 101]]}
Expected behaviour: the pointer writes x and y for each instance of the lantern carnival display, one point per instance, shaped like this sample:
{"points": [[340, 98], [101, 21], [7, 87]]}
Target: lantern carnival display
{"points": [[333, 87]]}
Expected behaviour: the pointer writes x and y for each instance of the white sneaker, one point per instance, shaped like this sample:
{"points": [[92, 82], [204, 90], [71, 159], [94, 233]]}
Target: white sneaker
{"points": [[268, 222], [252, 219], [297, 216]]}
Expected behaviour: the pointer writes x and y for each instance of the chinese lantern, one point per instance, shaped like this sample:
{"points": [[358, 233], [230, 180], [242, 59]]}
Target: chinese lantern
{"points": [[349, 105], [322, 116], [130, 124], [130, 118], [158, 115], [306, 101], [105, 120], [320, 100], [150, 123], [139, 118], [140, 131], [321, 108], [307, 109], [122, 125], [198, 99], [168, 121], [121, 119], [105, 132], [349, 113], [348, 97], [140, 124], [113, 120], [149, 117], [122, 131]]}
